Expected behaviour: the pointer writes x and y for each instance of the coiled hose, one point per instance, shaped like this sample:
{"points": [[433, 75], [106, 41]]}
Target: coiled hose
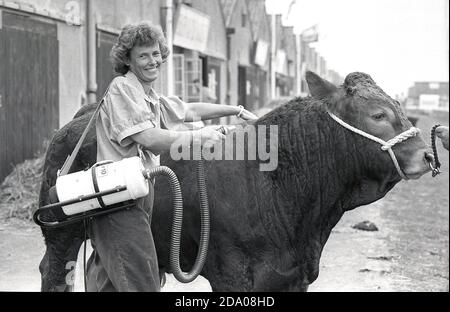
{"points": [[177, 223]]}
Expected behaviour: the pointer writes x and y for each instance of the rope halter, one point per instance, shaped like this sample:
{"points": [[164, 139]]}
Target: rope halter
{"points": [[385, 146]]}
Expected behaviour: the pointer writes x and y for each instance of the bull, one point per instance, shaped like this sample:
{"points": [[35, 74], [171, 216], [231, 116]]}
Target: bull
{"points": [[268, 228]]}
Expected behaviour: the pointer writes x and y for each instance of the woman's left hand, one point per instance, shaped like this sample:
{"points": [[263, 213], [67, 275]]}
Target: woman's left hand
{"points": [[246, 115]]}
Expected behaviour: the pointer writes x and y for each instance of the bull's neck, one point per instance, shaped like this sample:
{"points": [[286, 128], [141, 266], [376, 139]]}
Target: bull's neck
{"points": [[319, 173], [319, 161]]}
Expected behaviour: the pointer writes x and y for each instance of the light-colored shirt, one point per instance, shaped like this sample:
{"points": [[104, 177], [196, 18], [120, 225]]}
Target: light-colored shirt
{"points": [[128, 110]]}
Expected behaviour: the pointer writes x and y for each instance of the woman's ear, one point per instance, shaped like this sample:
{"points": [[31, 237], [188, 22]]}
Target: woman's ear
{"points": [[318, 87]]}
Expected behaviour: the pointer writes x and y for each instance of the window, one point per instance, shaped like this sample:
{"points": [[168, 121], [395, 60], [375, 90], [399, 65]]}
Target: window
{"points": [[433, 85], [193, 79], [178, 77], [244, 20]]}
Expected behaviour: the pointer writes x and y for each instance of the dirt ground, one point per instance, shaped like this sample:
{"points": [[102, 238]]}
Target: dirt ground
{"points": [[409, 252]]}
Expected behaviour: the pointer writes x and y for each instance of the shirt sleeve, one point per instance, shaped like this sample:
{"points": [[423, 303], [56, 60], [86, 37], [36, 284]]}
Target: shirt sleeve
{"points": [[128, 112], [173, 113]]}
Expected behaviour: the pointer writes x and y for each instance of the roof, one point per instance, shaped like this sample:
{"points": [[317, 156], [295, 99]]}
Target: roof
{"points": [[228, 7], [257, 15]]}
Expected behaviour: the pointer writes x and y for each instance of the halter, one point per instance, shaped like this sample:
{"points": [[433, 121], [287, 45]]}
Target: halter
{"points": [[386, 146]]}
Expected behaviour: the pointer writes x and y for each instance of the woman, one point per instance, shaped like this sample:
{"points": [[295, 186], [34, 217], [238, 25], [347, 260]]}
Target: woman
{"points": [[135, 120]]}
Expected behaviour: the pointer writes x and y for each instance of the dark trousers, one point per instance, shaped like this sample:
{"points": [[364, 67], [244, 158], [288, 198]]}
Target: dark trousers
{"points": [[124, 257]]}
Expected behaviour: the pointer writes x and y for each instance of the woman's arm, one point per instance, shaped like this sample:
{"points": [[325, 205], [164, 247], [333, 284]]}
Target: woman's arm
{"points": [[159, 140], [205, 111]]}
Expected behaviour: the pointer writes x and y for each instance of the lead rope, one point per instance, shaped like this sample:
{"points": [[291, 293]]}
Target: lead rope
{"points": [[437, 163], [386, 146]]}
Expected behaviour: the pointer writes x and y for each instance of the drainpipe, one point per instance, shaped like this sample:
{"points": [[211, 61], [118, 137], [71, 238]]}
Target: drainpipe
{"points": [[167, 10], [91, 53], [230, 32], [273, 58]]}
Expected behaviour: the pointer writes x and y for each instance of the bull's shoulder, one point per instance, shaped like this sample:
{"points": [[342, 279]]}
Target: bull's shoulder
{"points": [[69, 134]]}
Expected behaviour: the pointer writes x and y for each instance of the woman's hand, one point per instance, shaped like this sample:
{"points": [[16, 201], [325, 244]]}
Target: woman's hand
{"points": [[208, 137], [442, 133], [246, 115]]}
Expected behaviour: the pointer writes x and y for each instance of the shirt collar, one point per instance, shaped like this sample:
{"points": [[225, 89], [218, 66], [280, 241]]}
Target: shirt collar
{"points": [[134, 81]]}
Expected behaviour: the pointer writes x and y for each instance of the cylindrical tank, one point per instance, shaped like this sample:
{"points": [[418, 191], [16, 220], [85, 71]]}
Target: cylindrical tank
{"points": [[107, 175]]}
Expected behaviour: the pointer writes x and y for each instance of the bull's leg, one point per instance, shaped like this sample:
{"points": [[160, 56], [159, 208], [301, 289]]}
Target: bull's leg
{"points": [[58, 265]]}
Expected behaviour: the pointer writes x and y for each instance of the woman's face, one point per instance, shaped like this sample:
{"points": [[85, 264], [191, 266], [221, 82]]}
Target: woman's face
{"points": [[145, 62]]}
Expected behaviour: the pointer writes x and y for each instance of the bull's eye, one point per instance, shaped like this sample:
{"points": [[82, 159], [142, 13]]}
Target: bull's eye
{"points": [[379, 116]]}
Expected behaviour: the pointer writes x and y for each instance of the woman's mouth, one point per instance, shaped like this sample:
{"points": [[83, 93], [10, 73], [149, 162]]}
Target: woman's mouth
{"points": [[153, 67]]}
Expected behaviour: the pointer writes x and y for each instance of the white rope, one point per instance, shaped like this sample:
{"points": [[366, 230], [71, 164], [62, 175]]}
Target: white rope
{"points": [[386, 146], [400, 138]]}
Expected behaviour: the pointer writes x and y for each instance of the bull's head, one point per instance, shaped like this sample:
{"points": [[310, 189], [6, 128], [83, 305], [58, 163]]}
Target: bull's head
{"points": [[362, 104]]}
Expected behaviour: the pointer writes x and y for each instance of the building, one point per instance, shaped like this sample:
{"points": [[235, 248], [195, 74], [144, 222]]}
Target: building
{"points": [[68, 43], [428, 96], [285, 59], [335, 78], [240, 47], [55, 59], [199, 51], [260, 72]]}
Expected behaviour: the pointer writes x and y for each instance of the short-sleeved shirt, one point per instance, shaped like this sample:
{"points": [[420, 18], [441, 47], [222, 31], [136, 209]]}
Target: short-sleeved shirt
{"points": [[128, 110]]}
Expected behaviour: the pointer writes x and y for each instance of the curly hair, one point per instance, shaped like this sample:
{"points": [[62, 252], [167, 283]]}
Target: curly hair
{"points": [[142, 34]]}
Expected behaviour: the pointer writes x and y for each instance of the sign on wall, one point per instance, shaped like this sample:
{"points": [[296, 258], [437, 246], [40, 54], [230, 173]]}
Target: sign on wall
{"points": [[262, 48], [191, 29]]}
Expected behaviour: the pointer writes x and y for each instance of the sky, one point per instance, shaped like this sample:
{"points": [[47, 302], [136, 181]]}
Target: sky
{"points": [[397, 42]]}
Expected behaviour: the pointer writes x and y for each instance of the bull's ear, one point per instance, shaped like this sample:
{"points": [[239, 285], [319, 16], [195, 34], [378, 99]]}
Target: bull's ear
{"points": [[318, 87]]}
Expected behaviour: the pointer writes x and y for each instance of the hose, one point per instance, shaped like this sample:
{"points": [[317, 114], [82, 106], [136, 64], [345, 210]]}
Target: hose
{"points": [[177, 223]]}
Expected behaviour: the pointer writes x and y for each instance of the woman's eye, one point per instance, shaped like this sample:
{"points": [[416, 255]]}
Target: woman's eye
{"points": [[379, 116]]}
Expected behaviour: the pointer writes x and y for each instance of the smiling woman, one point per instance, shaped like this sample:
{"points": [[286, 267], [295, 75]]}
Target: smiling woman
{"points": [[145, 62], [140, 36], [135, 120]]}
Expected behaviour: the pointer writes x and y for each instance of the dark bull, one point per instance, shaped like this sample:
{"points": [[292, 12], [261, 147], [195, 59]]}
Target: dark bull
{"points": [[268, 228]]}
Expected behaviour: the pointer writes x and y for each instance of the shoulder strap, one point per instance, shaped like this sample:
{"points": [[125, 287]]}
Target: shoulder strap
{"points": [[71, 158]]}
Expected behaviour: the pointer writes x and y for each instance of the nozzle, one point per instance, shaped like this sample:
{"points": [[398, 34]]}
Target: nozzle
{"points": [[146, 174]]}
